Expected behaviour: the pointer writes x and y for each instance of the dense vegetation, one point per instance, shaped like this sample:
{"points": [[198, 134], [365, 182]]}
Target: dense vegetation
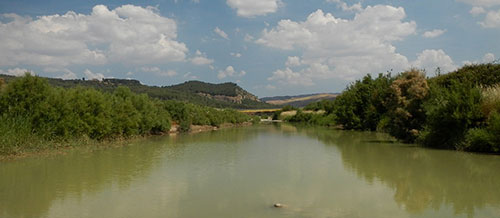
{"points": [[459, 110], [34, 114], [187, 92]]}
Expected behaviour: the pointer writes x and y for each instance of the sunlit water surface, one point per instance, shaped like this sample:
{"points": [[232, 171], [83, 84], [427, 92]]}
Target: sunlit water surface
{"points": [[315, 172]]}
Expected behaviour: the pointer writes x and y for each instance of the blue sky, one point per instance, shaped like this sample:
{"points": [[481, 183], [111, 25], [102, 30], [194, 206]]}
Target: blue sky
{"points": [[269, 47]]}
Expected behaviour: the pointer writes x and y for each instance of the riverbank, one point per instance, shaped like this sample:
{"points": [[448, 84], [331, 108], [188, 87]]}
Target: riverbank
{"points": [[459, 110], [35, 116], [50, 148]]}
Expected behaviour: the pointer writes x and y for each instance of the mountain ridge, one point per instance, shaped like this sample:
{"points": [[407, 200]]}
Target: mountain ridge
{"points": [[223, 95], [299, 100]]}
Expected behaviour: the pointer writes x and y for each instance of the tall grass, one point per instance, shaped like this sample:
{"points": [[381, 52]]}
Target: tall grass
{"points": [[17, 135], [491, 100]]}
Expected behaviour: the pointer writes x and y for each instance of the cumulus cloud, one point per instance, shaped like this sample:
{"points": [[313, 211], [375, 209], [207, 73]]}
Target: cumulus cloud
{"points": [[434, 33], [235, 54], [158, 71], [477, 10], [288, 77], [201, 59], [431, 59], [68, 75], [190, 76], [248, 38], [489, 57], [230, 72], [341, 48], [90, 75], [129, 34], [221, 33], [492, 20], [345, 7], [485, 3], [293, 61], [15, 71], [245, 8]]}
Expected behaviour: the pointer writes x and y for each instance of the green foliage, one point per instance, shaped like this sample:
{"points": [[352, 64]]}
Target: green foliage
{"points": [[288, 108], [325, 105], [486, 139], [312, 118], [476, 74], [192, 91], [33, 113], [491, 100], [405, 115], [228, 89], [361, 105], [451, 112]]}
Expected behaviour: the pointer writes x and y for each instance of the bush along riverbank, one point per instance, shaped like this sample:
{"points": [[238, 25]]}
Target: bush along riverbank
{"points": [[36, 116], [459, 110]]}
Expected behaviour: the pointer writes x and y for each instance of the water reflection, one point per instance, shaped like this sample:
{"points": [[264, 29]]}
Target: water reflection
{"points": [[318, 172], [30, 187], [421, 178]]}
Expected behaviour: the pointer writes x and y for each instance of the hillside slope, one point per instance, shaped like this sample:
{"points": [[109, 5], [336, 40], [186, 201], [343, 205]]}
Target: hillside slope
{"points": [[299, 100], [225, 95]]}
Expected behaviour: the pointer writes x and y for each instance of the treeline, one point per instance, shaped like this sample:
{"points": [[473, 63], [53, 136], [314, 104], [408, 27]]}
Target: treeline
{"points": [[459, 110], [34, 114], [188, 91]]}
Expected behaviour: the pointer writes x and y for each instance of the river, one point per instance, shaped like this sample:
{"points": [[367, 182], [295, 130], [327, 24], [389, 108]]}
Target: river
{"points": [[242, 172]]}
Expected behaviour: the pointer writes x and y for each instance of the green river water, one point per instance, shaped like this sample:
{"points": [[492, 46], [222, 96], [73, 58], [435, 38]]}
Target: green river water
{"points": [[242, 172]]}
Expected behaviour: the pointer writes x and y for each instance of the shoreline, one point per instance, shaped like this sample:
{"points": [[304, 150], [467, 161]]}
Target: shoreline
{"points": [[61, 148]]}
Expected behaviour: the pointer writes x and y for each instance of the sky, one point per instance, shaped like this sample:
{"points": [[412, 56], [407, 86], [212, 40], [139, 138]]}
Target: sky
{"points": [[268, 47]]}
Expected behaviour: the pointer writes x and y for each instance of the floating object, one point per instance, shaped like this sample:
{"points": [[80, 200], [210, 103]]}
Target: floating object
{"points": [[278, 205]]}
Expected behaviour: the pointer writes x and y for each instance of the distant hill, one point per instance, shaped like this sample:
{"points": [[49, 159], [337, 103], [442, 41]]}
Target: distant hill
{"points": [[299, 100], [225, 95]]}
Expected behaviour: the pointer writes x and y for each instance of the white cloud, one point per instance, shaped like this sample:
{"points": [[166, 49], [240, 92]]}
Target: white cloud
{"points": [[15, 71], [238, 55], [430, 60], [485, 3], [68, 75], [221, 33], [293, 61], [477, 10], [201, 59], [270, 87], [158, 71], [434, 33], [90, 75], [129, 34], [190, 76], [288, 77], [341, 48], [230, 72], [246, 8], [248, 38], [345, 7], [492, 20], [489, 57]]}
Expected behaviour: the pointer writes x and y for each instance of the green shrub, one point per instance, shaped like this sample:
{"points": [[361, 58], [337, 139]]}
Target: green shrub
{"points": [[451, 112], [405, 112], [486, 139], [362, 104]]}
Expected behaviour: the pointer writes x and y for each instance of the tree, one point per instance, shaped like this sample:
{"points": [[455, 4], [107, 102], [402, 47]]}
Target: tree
{"points": [[406, 114]]}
